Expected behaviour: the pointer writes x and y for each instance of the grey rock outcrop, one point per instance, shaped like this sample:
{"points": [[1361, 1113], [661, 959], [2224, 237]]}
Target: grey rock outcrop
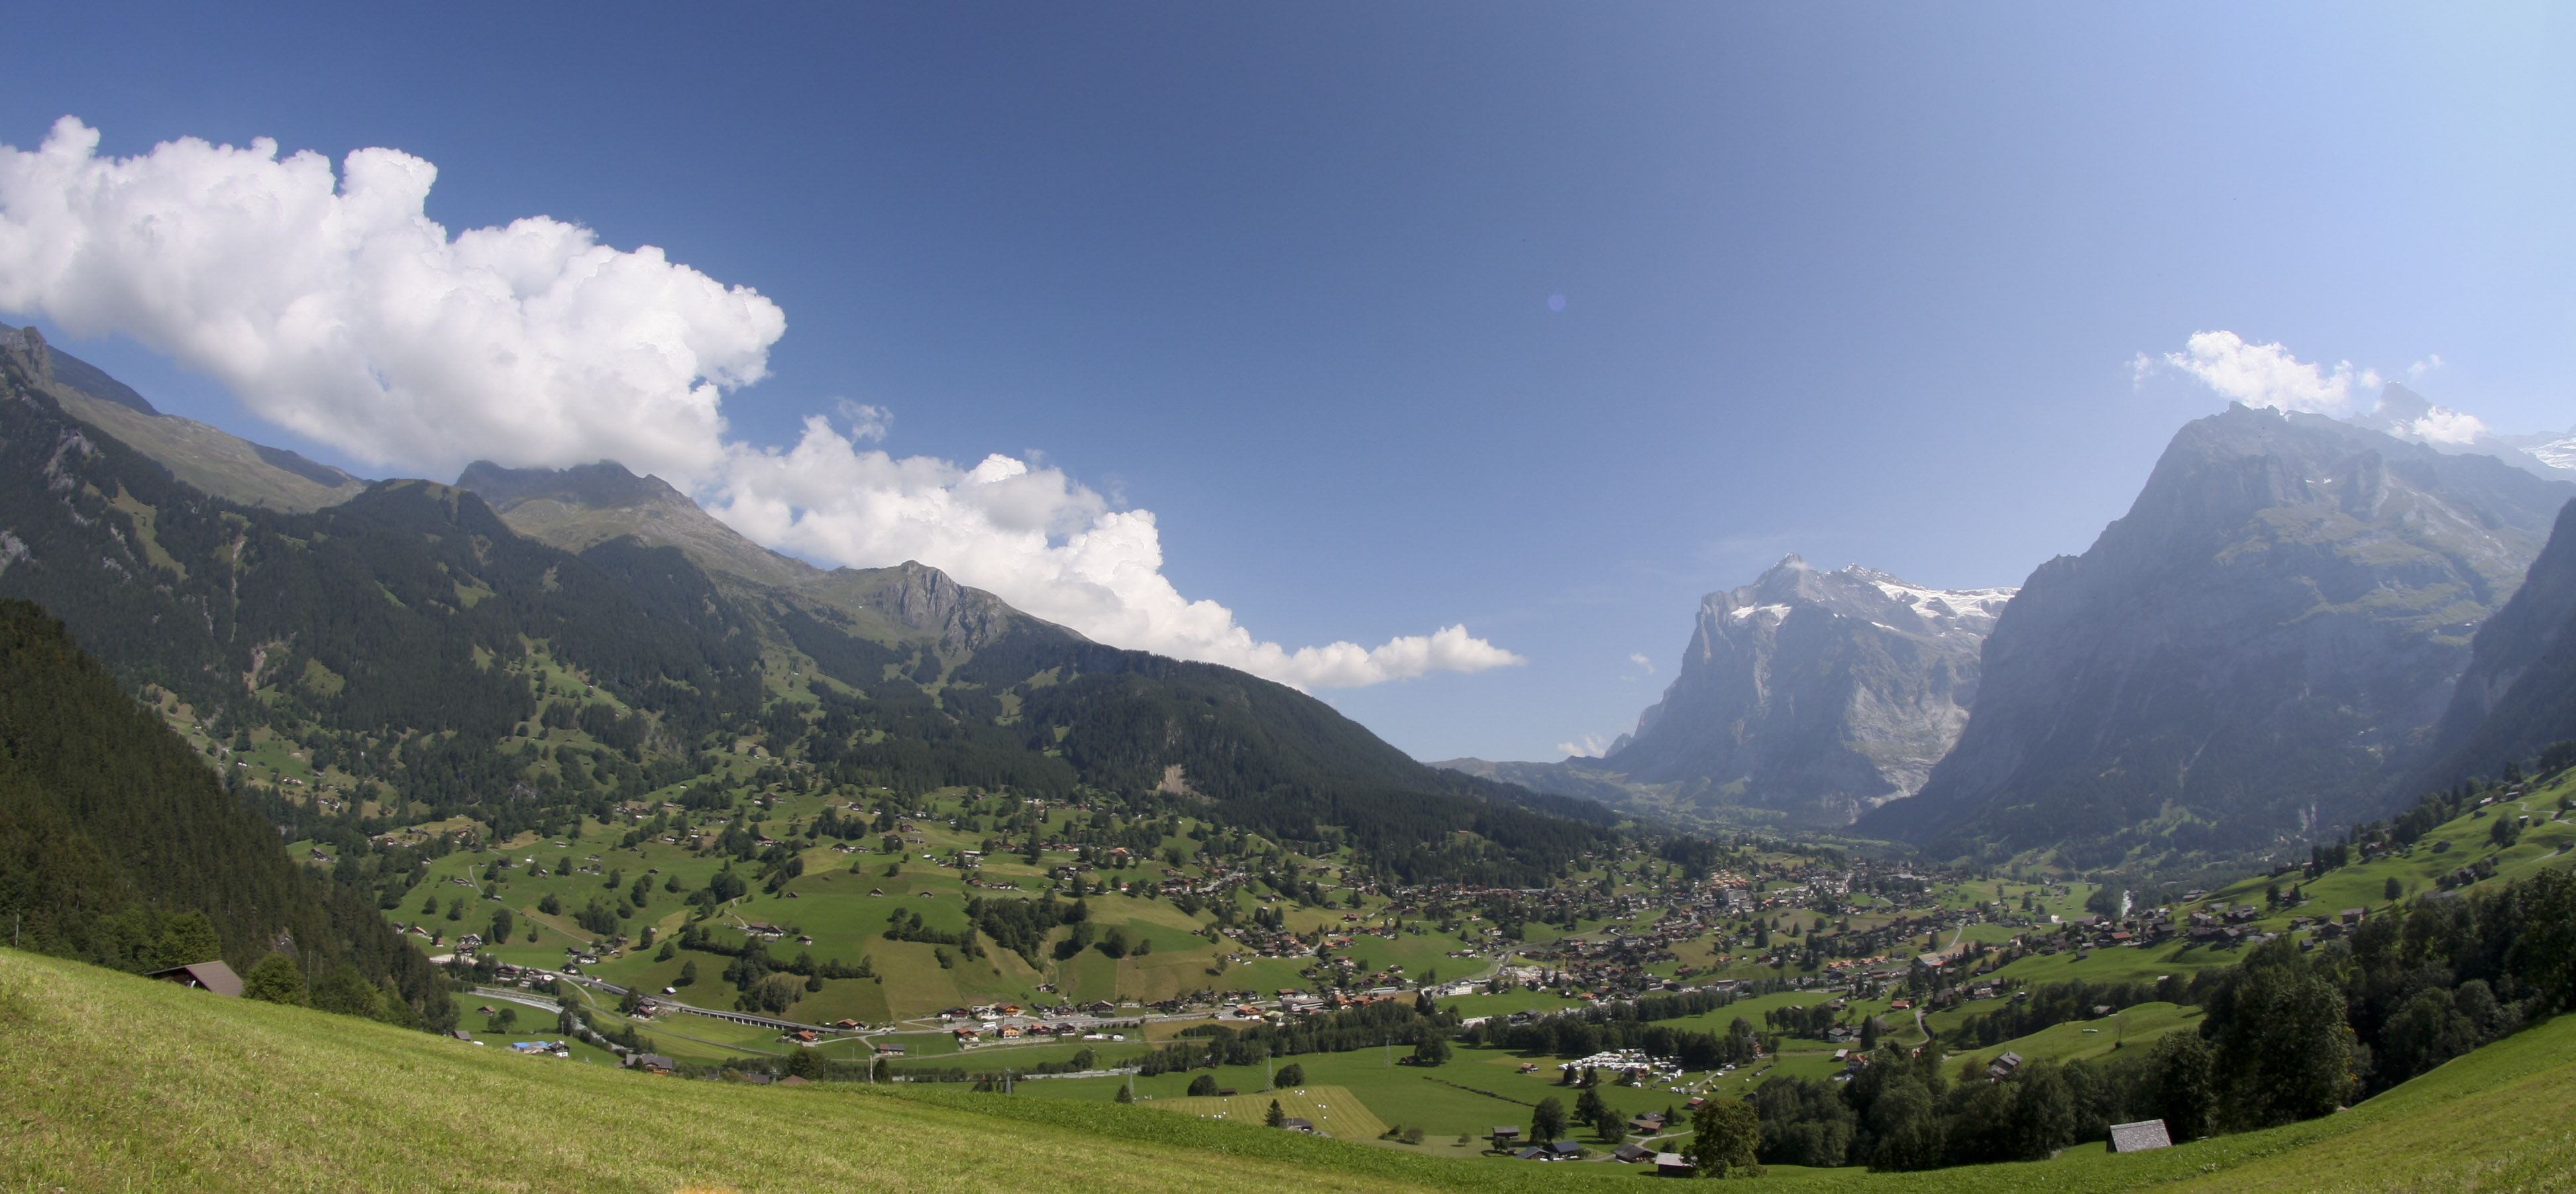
{"points": [[576, 508], [2257, 650], [209, 458], [2518, 694], [1815, 694]]}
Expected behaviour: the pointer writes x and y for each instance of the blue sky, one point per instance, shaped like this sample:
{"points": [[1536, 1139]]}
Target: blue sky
{"points": [[1863, 283]]}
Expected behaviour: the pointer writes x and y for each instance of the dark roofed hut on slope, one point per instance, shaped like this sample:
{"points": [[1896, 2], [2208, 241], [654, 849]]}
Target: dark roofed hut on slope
{"points": [[205, 976], [2140, 1136]]}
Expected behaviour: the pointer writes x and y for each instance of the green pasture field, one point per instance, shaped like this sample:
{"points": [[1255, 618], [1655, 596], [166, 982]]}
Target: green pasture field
{"points": [[832, 902], [1442, 1100], [1334, 1111], [2134, 1027], [204, 1093], [2547, 842]]}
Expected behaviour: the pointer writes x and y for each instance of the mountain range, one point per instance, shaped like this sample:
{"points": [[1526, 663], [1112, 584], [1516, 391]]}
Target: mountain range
{"points": [[2257, 651], [2275, 641], [411, 633], [2299, 620]]}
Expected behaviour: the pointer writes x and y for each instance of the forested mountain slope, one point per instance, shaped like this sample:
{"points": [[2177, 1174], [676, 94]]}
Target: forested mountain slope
{"points": [[2258, 650], [397, 646], [111, 830]]}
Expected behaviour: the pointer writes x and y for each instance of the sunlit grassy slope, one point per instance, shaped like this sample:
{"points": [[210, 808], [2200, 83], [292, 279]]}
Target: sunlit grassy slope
{"points": [[114, 1083]]}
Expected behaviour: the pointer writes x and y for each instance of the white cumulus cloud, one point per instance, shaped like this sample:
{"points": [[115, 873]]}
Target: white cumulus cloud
{"points": [[1590, 746], [1046, 543], [335, 307], [2268, 375], [332, 305], [2442, 425]]}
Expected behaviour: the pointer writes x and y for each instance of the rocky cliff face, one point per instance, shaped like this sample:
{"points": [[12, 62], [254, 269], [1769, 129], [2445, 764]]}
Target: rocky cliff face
{"points": [[206, 457], [925, 601], [1815, 694], [2259, 649], [2518, 694]]}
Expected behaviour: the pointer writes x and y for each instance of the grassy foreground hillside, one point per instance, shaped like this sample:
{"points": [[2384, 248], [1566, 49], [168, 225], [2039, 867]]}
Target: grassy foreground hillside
{"points": [[199, 1093], [117, 1083]]}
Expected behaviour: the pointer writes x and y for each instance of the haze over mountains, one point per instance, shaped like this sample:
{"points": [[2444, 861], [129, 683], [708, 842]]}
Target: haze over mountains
{"points": [[1807, 694], [2257, 650], [2264, 648], [2407, 415]]}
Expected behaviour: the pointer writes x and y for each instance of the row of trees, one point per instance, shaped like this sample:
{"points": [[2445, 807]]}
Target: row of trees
{"points": [[2287, 1035]]}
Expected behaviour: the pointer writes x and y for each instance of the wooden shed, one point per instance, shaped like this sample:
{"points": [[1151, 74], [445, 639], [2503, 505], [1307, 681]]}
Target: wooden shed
{"points": [[205, 976]]}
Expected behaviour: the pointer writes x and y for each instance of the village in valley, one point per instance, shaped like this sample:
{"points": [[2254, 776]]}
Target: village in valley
{"points": [[755, 925]]}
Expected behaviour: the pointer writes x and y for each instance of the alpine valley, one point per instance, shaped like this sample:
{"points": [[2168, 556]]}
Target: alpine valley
{"points": [[550, 829]]}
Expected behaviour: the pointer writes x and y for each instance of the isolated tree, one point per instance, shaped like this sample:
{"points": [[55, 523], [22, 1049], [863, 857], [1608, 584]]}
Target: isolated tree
{"points": [[1274, 1117], [1725, 1133], [688, 973], [1433, 1049], [1547, 1120], [2184, 1093], [2285, 1044], [1909, 1135], [1589, 1110], [2394, 890], [1291, 1074], [2043, 1113], [347, 992], [392, 1008], [504, 1020], [1203, 1086], [276, 979], [188, 938], [502, 924], [1124, 1094]]}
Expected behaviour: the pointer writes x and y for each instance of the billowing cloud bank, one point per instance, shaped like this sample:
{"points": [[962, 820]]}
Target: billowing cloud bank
{"points": [[2268, 375], [333, 305]]}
